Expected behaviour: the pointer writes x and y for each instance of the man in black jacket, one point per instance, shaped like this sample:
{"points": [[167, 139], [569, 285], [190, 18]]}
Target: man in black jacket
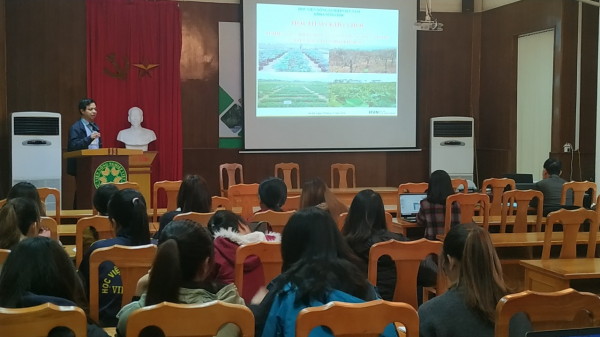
{"points": [[83, 134], [551, 187]]}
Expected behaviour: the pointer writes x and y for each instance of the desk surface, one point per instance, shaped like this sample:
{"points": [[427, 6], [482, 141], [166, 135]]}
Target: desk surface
{"points": [[82, 213], [567, 269], [111, 331], [70, 230], [70, 249], [530, 239], [496, 219]]}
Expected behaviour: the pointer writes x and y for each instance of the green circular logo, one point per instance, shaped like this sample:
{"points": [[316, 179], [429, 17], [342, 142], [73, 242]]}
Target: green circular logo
{"points": [[109, 172]]}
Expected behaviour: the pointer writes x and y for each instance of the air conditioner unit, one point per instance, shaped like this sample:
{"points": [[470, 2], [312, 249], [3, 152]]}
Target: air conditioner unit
{"points": [[452, 146], [37, 150]]}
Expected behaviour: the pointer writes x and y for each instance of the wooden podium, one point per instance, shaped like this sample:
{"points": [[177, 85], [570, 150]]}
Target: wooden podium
{"points": [[96, 167]]}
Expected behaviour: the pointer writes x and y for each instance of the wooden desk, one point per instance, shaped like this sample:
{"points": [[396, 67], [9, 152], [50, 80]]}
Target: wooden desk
{"points": [[556, 274], [345, 195], [69, 230], [510, 220], [530, 239], [111, 331], [70, 249], [408, 229], [83, 213]]}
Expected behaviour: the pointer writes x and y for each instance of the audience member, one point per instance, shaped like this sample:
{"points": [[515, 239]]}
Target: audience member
{"points": [[25, 189], [551, 187], [230, 231], [128, 214], [476, 285], [316, 193], [432, 213], [19, 219], [193, 196], [38, 271], [181, 273], [272, 193], [101, 199]]}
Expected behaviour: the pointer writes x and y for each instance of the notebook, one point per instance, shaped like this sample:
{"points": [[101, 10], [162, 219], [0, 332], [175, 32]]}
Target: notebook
{"points": [[586, 332], [410, 203]]}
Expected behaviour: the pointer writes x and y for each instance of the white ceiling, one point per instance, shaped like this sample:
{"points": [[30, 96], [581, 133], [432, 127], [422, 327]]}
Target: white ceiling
{"points": [[456, 5]]}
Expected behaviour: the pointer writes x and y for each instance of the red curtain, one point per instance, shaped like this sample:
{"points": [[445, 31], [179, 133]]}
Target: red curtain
{"points": [[123, 37]]}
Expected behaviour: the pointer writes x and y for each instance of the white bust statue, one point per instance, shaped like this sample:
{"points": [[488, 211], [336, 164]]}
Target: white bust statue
{"points": [[136, 137]]}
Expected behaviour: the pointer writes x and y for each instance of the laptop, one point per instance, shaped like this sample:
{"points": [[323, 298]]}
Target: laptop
{"points": [[520, 178], [410, 203], [586, 332]]}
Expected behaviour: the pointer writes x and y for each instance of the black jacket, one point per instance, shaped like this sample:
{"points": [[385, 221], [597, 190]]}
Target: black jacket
{"points": [[78, 140]]}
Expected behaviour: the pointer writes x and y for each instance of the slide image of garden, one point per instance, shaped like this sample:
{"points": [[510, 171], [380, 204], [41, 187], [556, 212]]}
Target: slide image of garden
{"points": [[381, 61], [296, 60], [292, 94], [234, 118], [348, 93]]}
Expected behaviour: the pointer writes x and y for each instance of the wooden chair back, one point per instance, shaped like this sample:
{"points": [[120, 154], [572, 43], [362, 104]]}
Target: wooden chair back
{"points": [[291, 204], [102, 226], [286, 169], [127, 185], [269, 254], [244, 196], [185, 320], [579, 188], [44, 192], [3, 255], [358, 319], [277, 220], [39, 320], [410, 188], [497, 186], [549, 311], [220, 202], [133, 263], [171, 188], [2, 203], [342, 170], [231, 168], [522, 199], [51, 225], [407, 256], [389, 221], [458, 182], [468, 203], [571, 222], [201, 218]]}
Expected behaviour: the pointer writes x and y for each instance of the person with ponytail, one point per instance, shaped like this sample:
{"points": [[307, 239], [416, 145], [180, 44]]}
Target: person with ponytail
{"points": [[272, 193], [181, 273], [19, 219], [129, 218], [474, 273], [230, 231]]}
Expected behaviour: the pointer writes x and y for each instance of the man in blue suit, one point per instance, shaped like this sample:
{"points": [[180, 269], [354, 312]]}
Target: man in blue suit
{"points": [[84, 134]]}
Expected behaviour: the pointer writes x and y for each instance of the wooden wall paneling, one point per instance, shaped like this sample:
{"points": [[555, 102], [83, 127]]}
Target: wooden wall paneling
{"points": [[492, 163], [4, 116], [589, 84], [582, 166]]}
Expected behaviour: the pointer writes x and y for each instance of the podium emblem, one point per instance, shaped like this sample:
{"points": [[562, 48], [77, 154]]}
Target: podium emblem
{"points": [[109, 172]]}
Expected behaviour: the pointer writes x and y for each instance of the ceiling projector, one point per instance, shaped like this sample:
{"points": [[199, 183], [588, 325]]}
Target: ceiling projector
{"points": [[429, 24]]}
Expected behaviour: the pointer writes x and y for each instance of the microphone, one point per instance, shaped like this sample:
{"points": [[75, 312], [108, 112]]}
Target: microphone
{"points": [[95, 127]]}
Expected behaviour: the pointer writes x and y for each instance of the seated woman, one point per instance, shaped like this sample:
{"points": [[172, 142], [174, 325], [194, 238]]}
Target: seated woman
{"points": [[272, 193], [38, 271], [128, 215], [193, 196], [230, 231], [432, 213], [316, 193], [19, 219], [476, 285], [101, 199], [181, 273], [27, 190], [318, 267]]}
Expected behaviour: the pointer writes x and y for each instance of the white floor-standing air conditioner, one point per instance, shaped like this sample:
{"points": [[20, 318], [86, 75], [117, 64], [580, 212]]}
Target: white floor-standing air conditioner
{"points": [[452, 146], [36, 150]]}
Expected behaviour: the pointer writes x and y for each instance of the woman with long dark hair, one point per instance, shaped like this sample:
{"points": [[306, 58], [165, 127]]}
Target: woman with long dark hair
{"points": [[27, 190], [476, 285], [19, 219], [181, 273], [432, 213], [38, 271]]}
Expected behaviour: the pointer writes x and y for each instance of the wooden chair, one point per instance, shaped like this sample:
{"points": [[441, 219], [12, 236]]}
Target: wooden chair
{"points": [[410, 188], [571, 222], [201, 218], [185, 320], [291, 204], [342, 170], [358, 319], [497, 186], [133, 263], [277, 220], [286, 169], [522, 199], [127, 184], [269, 254], [3, 255], [51, 225], [39, 320], [44, 192], [467, 203], [389, 221], [2, 202], [171, 188], [244, 196], [220, 202], [579, 188], [407, 257], [457, 182], [230, 168], [100, 223], [555, 310]]}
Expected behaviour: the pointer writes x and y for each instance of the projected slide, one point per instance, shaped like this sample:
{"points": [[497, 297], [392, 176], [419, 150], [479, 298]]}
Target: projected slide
{"points": [[326, 61]]}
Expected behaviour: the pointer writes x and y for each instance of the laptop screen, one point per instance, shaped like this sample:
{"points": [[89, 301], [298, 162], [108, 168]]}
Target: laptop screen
{"points": [[587, 332], [411, 203]]}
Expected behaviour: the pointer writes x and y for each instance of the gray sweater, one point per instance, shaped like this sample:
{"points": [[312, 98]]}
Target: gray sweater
{"points": [[449, 316]]}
